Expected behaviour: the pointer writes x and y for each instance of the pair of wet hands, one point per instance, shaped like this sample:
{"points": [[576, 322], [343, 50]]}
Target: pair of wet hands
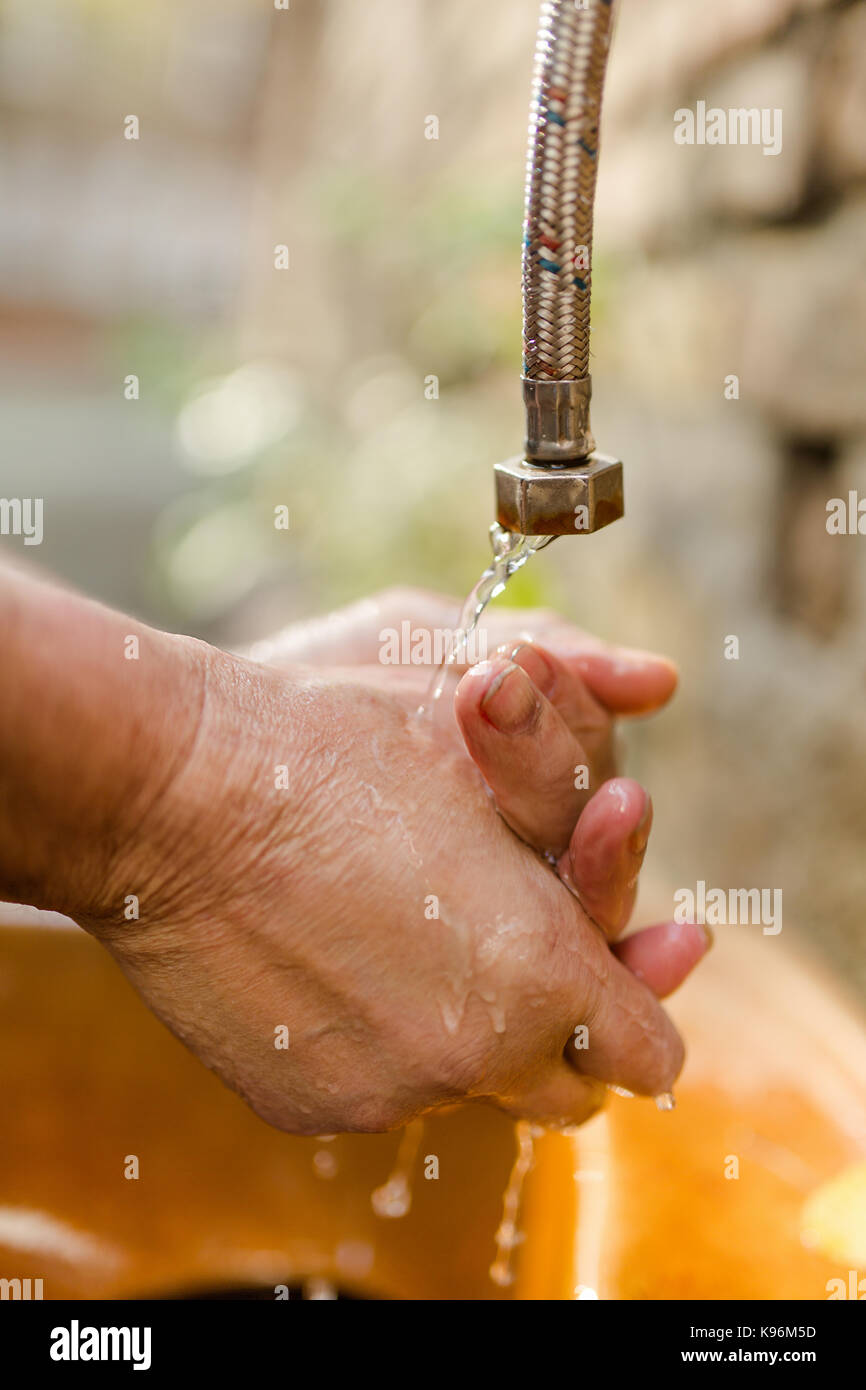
{"points": [[330, 910], [538, 722]]}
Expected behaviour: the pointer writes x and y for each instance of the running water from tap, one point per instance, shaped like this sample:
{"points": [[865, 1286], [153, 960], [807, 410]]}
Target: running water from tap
{"points": [[510, 553]]}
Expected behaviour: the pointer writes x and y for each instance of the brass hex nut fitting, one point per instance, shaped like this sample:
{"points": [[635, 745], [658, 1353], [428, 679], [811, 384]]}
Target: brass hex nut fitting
{"points": [[538, 500]]}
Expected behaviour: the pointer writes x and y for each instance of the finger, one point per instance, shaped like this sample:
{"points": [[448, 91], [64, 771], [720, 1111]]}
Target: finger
{"points": [[524, 750], [620, 1032], [626, 681], [662, 956], [590, 724], [606, 852], [622, 680], [561, 1097]]}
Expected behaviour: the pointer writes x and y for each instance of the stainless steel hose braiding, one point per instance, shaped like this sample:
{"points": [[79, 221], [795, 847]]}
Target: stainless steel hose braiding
{"points": [[570, 62]]}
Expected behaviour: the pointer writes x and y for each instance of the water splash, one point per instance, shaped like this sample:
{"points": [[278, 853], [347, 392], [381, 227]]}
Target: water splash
{"points": [[510, 553], [508, 1236], [394, 1197]]}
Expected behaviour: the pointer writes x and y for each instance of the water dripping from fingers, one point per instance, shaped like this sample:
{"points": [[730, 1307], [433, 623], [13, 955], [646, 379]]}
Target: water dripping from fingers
{"points": [[508, 1235], [394, 1197]]}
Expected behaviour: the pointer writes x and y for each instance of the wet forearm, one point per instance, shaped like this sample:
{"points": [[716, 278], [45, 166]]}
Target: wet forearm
{"points": [[84, 709]]}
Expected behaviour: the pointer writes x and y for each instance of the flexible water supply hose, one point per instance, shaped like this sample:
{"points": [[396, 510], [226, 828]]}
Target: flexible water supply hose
{"points": [[570, 62], [561, 485]]}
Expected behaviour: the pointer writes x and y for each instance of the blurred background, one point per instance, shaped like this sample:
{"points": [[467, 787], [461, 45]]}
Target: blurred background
{"points": [[312, 386]]}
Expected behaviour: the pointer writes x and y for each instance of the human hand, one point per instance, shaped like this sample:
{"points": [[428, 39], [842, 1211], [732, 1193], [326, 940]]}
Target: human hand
{"points": [[309, 863], [379, 910], [543, 773], [587, 682]]}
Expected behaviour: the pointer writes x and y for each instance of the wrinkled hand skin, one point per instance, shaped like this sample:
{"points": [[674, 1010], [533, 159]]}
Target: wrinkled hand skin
{"points": [[577, 685], [307, 908]]}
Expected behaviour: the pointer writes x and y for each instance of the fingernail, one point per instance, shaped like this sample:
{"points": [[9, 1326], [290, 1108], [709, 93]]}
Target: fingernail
{"points": [[637, 841], [511, 704], [536, 666]]}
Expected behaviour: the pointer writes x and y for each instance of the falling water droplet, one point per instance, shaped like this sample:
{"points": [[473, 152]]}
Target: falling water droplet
{"points": [[666, 1101], [394, 1197], [324, 1164]]}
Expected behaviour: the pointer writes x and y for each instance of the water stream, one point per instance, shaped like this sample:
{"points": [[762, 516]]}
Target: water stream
{"points": [[510, 553], [508, 1236]]}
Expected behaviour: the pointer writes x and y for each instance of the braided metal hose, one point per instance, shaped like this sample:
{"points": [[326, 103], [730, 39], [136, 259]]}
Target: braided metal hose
{"points": [[561, 485], [570, 61]]}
